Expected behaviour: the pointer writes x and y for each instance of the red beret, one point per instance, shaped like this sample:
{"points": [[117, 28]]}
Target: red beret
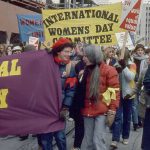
{"points": [[60, 42]]}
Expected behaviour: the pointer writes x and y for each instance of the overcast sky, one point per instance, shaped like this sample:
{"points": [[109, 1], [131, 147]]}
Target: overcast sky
{"points": [[101, 1], [106, 1], [55, 1], [96, 1]]}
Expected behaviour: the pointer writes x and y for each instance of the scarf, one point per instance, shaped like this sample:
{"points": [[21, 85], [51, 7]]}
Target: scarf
{"points": [[60, 61]]}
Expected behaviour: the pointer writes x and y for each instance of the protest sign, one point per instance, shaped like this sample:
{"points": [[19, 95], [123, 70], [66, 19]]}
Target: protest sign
{"points": [[130, 14], [30, 25], [96, 25], [120, 38], [34, 41], [30, 94]]}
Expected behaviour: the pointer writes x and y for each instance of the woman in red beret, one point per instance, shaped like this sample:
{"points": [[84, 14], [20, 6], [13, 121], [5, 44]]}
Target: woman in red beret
{"points": [[61, 51]]}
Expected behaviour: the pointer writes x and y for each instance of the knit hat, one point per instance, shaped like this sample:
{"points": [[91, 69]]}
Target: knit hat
{"points": [[60, 44]]}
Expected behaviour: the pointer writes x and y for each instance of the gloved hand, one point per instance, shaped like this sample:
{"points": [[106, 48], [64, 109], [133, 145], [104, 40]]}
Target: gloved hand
{"points": [[110, 117], [122, 63], [64, 114]]}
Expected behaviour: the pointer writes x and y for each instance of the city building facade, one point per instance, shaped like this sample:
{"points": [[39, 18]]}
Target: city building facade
{"points": [[9, 32], [143, 29]]}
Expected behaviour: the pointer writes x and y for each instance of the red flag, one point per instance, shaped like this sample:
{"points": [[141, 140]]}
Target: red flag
{"points": [[131, 20]]}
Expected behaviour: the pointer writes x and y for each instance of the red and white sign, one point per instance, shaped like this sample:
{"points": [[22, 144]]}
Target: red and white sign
{"points": [[130, 14], [34, 41]]}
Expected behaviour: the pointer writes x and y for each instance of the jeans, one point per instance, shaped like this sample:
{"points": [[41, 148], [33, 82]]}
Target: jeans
{"points": [[135, 111], [79, 130], [146, 131], [122, 120], [47, 138], [94, 133]]}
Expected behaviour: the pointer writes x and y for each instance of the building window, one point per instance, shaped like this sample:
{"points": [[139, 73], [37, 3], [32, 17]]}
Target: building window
{"points": [[3, 37], [15, 38], [146, 32]]}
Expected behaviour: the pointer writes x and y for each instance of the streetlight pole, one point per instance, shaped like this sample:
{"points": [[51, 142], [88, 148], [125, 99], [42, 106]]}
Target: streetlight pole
{"points": [[48, 2], [82, 3], [69, 4], [65, 3], [74, 3]]}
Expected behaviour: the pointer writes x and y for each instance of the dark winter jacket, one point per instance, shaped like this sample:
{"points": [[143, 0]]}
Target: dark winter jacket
{"points": [[78, 101], [69, 81], [146, 81]]}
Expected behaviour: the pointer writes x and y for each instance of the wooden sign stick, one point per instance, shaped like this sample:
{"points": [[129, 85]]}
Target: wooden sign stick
{"points": [[124, 45]]}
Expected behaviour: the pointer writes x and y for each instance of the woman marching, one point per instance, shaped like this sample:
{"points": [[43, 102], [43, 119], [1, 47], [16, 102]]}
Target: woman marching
{"points": [[101, 98]]}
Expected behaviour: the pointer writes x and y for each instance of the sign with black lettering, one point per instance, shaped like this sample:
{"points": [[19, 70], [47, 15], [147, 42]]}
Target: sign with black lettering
{"points": [[96, 25]]}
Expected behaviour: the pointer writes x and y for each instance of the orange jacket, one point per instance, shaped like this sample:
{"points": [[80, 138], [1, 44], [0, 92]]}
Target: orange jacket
{"points": [[109, 78]]}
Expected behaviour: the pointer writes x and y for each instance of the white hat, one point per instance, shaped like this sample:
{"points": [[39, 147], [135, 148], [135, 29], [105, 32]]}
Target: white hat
{"points": [[16, 48]]}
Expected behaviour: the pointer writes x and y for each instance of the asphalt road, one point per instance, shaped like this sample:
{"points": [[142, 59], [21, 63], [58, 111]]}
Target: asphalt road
{"points": [[13, 143]]}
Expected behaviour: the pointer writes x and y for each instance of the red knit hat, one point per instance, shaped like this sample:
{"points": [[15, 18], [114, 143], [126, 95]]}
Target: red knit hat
{"points": [[60, 42]]}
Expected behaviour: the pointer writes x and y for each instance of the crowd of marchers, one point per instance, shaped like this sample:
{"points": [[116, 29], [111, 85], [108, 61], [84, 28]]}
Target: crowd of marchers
{"points": [[103, 90]]}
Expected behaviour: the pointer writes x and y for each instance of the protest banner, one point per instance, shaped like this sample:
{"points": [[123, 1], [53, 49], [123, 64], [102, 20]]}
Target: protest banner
{"points": [[96, 25], [30, 94], [130, 14], [30, 25], [34, 41]]}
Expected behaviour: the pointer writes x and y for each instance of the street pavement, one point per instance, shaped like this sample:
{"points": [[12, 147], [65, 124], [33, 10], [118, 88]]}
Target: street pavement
{"points": [[13, 143]]}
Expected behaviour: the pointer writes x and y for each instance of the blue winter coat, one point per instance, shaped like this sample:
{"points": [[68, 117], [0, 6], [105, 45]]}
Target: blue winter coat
{"points": [[68, 84]]}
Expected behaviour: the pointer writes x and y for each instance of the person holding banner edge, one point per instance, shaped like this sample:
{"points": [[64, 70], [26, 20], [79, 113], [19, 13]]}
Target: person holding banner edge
{"points": [[61, 50]]}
